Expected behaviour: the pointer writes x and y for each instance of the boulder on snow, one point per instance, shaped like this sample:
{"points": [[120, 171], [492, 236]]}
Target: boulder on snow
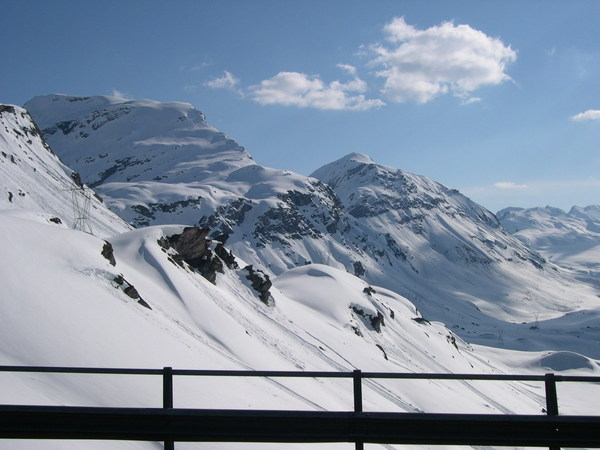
{"points": [[77, 179], [359, 269], [375, 321], [130, 290], [226, 256], [192, 247], [261, 283], [107, 252]]}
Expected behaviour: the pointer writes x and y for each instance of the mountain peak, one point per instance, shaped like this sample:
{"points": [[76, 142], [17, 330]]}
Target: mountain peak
{"points": [[357, 157], [329, 171], [111, 139]]}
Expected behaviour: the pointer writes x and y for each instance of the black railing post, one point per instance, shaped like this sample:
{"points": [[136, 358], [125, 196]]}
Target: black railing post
{"points": [[357, 378], [358, 404], [168, 398], [551, 398]]}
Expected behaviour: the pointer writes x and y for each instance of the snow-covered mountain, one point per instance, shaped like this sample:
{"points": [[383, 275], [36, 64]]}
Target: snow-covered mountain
{"points": [[159, 163], [164, 295], [570, 239], [33, 178]]}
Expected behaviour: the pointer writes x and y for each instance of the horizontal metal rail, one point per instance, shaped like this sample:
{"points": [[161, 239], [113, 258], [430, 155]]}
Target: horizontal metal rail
{"points": [[297, 374], [193, 425], [169, 424]]}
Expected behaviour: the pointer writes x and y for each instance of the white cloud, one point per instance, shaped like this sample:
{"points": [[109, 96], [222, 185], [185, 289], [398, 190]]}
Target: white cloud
{"points": [[227, 81], [419, 65], [509, 185], [305, 91], [348, 68], [590, 114]]}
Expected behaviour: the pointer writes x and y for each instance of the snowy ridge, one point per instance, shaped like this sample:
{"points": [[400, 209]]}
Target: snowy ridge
{"points": [[394, 229], [173, 145]]}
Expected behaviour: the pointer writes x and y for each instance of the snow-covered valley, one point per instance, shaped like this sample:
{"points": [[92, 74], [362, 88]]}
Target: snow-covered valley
{"points": [[359, 266]]}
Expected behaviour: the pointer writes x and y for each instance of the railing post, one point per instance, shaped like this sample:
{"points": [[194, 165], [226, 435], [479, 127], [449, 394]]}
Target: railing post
{"points": [[551, 398], [357, 379], [358, 405], [168, 398]]}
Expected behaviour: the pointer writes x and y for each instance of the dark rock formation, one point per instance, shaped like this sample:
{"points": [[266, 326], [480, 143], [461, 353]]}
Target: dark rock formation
{"points": [[383, 351], [7, 108], [375, 322], [421, 320], [260, 283], [226, 256], [77, 179], [369, 291], [359, 269], [107, 252], [192, 247], [130, 290]]}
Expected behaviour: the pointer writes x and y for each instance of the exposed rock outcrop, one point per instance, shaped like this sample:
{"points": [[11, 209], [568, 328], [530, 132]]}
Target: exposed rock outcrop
{"points": [[192, 246], [130, 290], [374, 321], [107, 252], [260, 283]]}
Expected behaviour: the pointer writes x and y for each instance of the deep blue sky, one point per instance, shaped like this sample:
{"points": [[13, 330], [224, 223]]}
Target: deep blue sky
{"points": [[478, 95]]}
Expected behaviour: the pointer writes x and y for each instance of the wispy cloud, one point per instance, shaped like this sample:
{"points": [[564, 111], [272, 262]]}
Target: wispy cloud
{"points": [[509, 185], [419, 65], [197, 67], [348, 68], [560, 193], [306, 91], [227, 81], [590, 114]]}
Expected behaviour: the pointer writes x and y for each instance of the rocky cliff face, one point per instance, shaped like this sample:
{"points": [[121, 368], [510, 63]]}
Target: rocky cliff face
{"points": [[158, 163]]}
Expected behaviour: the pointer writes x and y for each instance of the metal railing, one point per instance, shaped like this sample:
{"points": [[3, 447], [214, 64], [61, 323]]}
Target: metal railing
{"points": [[551, 424]]}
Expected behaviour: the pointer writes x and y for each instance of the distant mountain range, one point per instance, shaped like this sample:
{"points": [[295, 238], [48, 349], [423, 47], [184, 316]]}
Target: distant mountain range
{"points": [[571, 240]]}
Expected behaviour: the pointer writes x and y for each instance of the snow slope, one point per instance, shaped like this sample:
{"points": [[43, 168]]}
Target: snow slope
{"points": [[32, 177], [63, 302], [160, 170], [159, 163], [75, 314]]}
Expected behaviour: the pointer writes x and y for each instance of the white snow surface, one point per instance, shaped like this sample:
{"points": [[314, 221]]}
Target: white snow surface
{"points": [[71, 313], [569, 239], [61, 303], [159, 163]]}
